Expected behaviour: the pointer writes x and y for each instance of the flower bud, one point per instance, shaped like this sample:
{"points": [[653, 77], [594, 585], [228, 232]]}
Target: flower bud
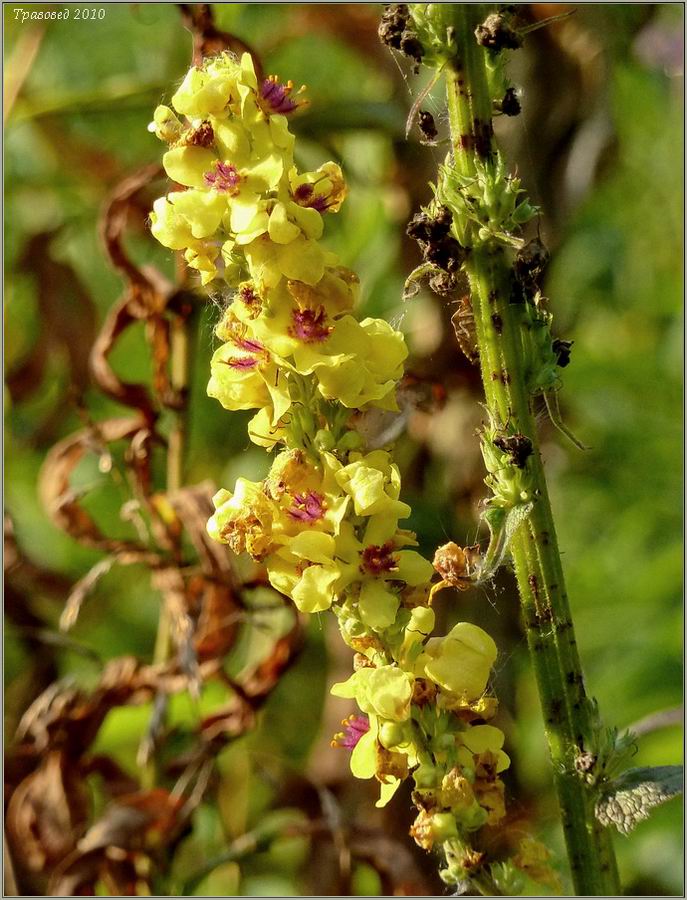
{"points": [[426, 777], [324, 440], [352, 440], [165, 125], [391, 734], [443, 827]]}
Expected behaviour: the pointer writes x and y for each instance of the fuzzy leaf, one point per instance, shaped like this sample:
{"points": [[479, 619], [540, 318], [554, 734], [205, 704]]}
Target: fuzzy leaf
{"points": [[631, 797]]}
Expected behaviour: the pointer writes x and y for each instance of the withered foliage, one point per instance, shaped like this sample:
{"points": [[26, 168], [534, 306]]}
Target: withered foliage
{"points": [[58, 841]]}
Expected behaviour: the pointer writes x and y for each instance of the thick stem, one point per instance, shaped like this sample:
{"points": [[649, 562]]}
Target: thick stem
{"points": [[568, 713]]}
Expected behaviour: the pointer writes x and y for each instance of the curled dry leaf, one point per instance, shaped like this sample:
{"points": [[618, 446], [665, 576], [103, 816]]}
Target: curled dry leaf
{"points": [[47, 813], [194, 507], [217, 616], [116, 850], [81, 590], [60, 500], [119, 208], [170, 583], [147, 297], [118, 319], [208, 40], [238, 716], [66, 321]]}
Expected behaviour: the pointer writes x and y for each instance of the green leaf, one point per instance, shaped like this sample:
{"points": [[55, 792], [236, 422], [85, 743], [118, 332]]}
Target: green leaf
{"points": [[631, 797]]}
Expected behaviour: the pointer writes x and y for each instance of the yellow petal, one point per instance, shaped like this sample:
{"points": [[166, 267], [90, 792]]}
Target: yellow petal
{"points": [[480, 738], [315, 546], [188, 165], [314, 592], [377, 605], [387, 791], [280, 229], [364, 755]]}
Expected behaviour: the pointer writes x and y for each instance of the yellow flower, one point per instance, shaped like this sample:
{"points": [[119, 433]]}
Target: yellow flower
{"points": [[301, 260], [243, 519], [461, 661], [374, 483], [362, 365], [304, 569], [263, 432], [184, 217], [323, 190], [377, 568], [243, 373], [384, 691], [165, 125], [294, 314], [307, 496], [207, 90], [481, 739], [202, 256]]}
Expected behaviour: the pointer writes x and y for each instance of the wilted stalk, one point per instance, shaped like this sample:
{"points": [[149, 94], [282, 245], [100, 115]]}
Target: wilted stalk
{"points": [[473, 186]]}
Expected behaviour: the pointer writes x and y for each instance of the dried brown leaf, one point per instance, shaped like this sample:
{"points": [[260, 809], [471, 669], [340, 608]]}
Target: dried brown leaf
{"points": [[208, 40], [194, 507], [81, 590], [47, 813], [170, 583], [61, 501], [218, 616], [118, 319], [113, 224], [66, 324]]}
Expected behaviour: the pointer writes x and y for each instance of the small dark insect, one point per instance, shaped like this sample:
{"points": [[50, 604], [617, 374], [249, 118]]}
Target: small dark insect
{"points": [[463, 323], [427, 126], [517, 446], [510, 105], [562, 350]]}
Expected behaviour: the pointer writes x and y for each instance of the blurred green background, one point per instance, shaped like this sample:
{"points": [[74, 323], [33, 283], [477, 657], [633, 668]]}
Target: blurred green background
{"points": [[598, 146]]}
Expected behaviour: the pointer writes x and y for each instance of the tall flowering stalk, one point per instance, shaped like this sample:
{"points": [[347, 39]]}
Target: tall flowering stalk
{"points": [[325, 521], [474, 226]]}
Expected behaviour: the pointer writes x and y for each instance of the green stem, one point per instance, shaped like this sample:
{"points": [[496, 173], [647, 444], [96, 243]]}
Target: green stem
{"points": [[568, 713]]}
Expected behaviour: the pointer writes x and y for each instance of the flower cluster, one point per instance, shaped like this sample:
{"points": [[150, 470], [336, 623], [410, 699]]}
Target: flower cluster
{"points": [[326, 521]]}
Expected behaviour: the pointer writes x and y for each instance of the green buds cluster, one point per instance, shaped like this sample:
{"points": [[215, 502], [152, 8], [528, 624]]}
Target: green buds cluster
{"points": [[541, 360], [492, 200], [506, 456]]}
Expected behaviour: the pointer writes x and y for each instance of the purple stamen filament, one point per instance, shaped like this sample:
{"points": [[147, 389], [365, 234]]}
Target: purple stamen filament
{"points": [[310, 325], [356, 727], [276, 95], [224, 179], [377, 559], [305, 195], [307, 507], [241, 362]]}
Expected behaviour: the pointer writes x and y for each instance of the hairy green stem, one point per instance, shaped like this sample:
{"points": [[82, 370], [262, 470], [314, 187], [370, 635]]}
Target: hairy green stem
{"points": [[568, 713]]}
